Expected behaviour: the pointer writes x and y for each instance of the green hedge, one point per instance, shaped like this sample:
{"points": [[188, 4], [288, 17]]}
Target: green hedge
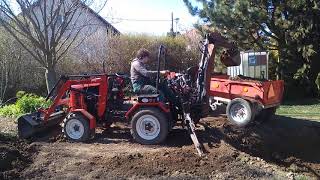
{"points": [[181, 53], [27, 103]]}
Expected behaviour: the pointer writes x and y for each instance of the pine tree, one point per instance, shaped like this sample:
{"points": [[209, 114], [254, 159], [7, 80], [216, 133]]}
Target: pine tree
{"points": [[290, 27]]}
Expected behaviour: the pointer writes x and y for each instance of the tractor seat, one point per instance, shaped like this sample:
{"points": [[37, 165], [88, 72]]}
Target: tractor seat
{"points": [[148, 98]]}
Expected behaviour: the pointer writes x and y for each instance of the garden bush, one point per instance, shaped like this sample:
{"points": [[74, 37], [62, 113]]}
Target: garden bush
{"points": [[26, 104], [10, 111]]}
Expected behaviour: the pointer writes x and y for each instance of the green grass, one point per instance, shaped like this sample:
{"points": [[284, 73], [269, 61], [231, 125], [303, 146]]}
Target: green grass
{"points": [[306, 108]]}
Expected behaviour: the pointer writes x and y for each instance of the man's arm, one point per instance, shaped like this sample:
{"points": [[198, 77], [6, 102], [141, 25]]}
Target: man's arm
{"points": [[142, 70]]}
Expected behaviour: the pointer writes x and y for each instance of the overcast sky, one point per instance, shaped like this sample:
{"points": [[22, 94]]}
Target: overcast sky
{"points": [[131, 16]]}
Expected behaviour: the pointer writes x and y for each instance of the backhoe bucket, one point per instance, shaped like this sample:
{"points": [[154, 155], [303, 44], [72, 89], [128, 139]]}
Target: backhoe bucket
{"points": [[30, 124], [230, 58]]}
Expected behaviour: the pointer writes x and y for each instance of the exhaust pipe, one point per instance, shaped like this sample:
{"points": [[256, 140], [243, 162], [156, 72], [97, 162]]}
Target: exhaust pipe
{"points": [[30, 124]]}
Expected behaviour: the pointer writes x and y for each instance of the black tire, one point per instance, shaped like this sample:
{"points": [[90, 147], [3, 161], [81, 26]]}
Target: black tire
{"points": [[80, 120], [155, 115], [232, 111], [266, 114]]}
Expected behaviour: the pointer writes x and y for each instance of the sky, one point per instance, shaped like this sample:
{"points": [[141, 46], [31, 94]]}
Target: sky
{"points": [[132, 16], [146, 16]]}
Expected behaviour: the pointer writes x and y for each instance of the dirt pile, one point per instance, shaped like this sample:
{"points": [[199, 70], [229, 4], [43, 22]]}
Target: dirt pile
{"points": [[231, 153], [288, 142], [283, 148], [182, 163], [15, 155], [247, 79]]}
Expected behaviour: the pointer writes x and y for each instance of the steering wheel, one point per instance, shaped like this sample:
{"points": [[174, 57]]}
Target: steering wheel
{"points": [[122, 75]]}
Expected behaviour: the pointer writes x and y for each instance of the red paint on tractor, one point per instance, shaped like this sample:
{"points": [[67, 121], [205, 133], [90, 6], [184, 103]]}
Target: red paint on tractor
{"points": [[92, 119]]}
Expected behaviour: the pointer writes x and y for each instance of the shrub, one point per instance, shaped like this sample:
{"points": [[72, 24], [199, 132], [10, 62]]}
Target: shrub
{"points": [[19, 94], [31, 102], [117, 52], [10, 111], [122, 51], [25, 104]]}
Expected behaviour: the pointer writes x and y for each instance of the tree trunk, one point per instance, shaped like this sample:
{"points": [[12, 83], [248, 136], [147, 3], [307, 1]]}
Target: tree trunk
{"points": [[50, 78], [315, 66]]}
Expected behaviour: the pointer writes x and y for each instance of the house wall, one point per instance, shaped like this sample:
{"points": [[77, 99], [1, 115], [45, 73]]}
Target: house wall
{"points": [[94, 30], [84, 18]]}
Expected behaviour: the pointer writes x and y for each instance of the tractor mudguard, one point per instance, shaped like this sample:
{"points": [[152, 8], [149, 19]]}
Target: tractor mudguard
{"points": [[91, 119], [134, 108]]}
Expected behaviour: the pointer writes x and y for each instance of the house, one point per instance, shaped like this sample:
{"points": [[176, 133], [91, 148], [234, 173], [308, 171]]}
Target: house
{"points": [[83, 18], [91, 29]]}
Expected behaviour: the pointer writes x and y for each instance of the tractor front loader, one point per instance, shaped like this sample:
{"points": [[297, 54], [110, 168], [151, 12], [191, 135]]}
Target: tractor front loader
{"points": [[79, 101]]}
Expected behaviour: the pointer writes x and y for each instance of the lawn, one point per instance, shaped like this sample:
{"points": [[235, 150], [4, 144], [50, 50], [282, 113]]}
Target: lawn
{"points": [[306, 109]]}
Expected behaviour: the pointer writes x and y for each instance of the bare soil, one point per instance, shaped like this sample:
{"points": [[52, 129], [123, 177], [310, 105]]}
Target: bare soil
{"points": [[283, 148], [14, 157]]}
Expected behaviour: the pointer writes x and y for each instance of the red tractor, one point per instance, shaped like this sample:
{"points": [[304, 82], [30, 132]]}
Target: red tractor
{"points": [[81, 103]]}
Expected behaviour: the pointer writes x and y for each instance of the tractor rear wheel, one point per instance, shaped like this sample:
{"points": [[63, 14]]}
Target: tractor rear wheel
{"points": [[239, 112], [149, 126], [76, 128]]}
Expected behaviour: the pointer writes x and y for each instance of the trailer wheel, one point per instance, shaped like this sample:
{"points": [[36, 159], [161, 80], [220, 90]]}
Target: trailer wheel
{"points": [[149, 126], [239, 112], [76, 128]]}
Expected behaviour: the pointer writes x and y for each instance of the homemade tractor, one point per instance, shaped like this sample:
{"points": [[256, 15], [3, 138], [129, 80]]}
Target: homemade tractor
{"points": [[81, 103]]}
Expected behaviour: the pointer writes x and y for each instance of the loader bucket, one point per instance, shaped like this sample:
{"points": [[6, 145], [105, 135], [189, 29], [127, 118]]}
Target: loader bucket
{"points": [[30, 124]]}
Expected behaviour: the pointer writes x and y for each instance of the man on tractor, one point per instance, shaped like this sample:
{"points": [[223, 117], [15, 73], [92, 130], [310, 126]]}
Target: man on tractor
{"points": [[141, 77]]}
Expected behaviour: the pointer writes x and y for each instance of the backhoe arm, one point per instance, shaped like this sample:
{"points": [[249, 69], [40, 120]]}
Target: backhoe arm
{"points": [[229, 57]]}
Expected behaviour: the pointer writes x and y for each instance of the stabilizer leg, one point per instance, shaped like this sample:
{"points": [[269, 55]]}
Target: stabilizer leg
{"points": [[192, 131]]}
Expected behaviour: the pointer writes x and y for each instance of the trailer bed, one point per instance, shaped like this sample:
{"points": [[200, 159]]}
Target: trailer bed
{"points": [[267, 93]]}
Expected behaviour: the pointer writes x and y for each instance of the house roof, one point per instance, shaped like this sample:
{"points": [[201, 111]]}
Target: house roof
{"points": [[105, 22], [108, 25]]}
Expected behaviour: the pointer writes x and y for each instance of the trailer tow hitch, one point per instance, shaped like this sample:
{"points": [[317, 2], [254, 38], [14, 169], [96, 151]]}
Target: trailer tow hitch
{"points": [[192, 131]]}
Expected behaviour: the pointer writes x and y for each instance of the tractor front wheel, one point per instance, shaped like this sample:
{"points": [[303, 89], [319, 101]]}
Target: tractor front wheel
{"points": [[76, 128], [149, 126]]}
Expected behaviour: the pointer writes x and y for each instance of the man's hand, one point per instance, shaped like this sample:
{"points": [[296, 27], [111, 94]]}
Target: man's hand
{"points": [[165, 72]]}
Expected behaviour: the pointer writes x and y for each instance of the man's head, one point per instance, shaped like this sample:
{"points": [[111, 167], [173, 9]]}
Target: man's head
{"points": [[143, 55]]}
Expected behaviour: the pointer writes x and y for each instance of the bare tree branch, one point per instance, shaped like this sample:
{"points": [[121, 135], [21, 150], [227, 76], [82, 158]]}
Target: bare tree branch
{"points": [[47, 29]]}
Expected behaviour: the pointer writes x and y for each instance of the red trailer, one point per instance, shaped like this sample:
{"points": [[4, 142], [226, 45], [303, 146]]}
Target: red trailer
{"points": [[247, 99]]}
